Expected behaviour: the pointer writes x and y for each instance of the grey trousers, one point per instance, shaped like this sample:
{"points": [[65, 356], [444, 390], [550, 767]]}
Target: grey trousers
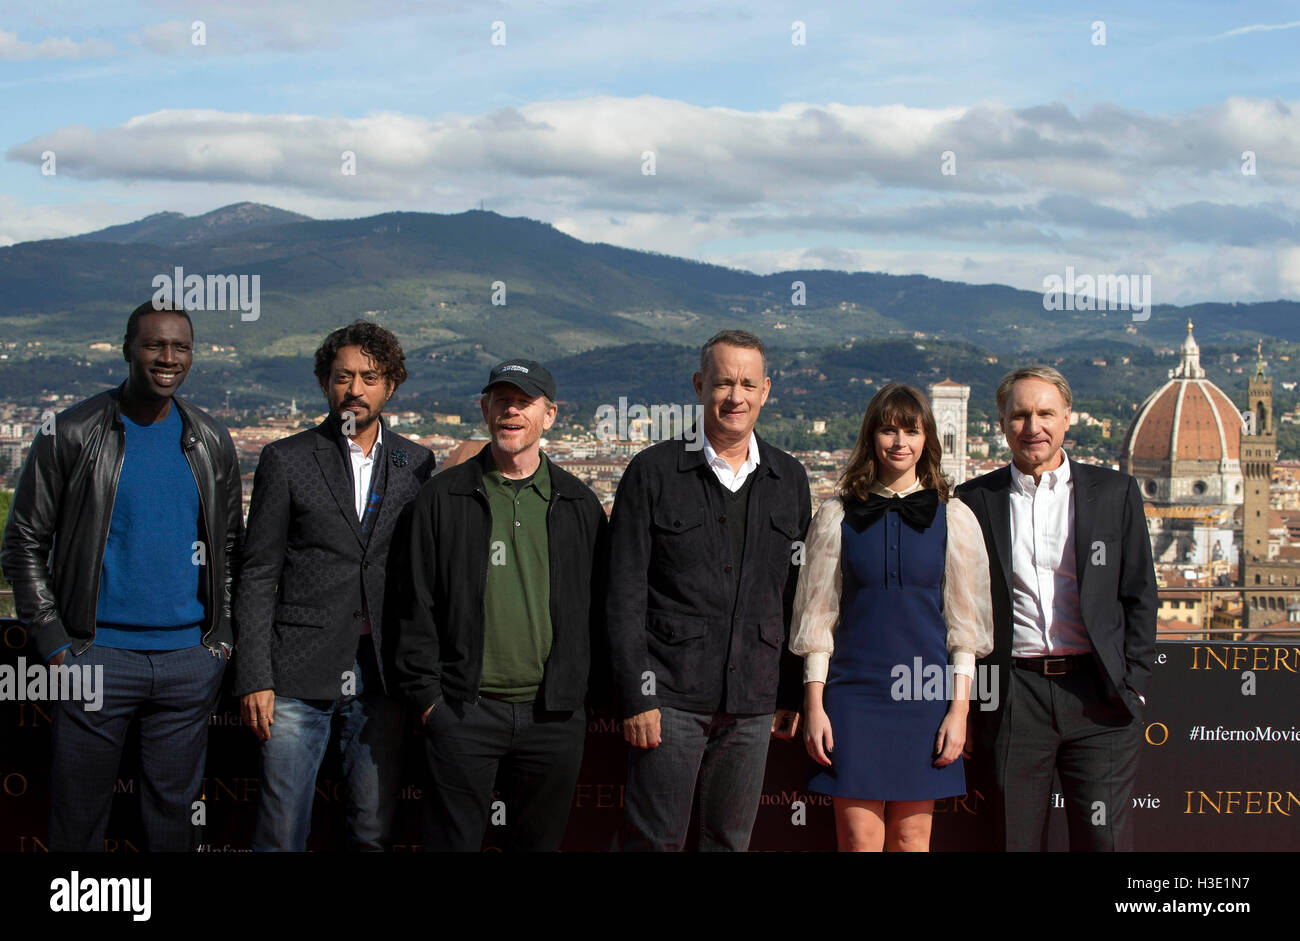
{"points": [[725, 754], [1065, 724]]}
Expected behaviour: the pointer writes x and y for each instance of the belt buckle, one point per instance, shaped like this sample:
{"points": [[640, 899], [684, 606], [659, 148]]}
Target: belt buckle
{"points": [[1047, 666]]}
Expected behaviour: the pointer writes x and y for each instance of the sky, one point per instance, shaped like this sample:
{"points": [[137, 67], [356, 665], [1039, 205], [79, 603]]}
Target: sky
{"points": [[984, 142]]}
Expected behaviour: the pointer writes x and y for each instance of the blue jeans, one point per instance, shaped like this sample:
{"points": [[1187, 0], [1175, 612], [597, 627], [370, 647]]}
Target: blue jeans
{"points": [[172, 692], [370, 745], [726, 753]]}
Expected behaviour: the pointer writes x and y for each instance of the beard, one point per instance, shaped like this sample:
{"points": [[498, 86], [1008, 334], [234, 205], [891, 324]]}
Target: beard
{"points": [[517, 446], [361, 419]]}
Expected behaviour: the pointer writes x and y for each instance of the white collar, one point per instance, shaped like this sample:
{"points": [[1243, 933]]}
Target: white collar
{"points": [[711, 456], [1053, 478], [884, 491], [355, 448]]}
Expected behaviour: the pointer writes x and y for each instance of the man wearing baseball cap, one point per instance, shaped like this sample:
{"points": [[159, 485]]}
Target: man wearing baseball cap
{"points": [[506, 557]]}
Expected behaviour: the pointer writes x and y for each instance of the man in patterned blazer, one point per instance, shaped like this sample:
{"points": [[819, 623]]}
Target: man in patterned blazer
{"points": [[318, 594]]}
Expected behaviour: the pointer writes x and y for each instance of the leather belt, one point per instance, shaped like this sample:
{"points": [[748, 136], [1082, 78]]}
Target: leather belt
{"points": [[1053, 666]]}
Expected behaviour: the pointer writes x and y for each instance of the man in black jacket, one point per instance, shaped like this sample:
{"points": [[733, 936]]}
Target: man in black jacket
{"points": [[704, 556], [120, 545], [315, 610], [1074, 629], [507, 552]]}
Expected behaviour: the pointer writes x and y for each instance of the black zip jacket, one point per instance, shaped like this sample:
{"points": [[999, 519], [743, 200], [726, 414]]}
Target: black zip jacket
{"points": [[673, 638], [440, 643], [58, 525]]}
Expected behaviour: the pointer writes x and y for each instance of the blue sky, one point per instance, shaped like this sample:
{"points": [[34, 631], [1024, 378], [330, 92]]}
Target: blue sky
{"points": [[1122, 157]]}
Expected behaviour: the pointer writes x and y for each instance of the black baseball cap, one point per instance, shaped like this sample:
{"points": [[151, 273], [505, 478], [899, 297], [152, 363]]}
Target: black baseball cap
{"points": [[526, 374]]}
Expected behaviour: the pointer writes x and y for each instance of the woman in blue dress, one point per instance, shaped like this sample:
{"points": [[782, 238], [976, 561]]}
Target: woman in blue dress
{"points": [[892, 609]]}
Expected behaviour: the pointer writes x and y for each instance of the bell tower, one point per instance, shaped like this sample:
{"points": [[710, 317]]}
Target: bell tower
{"points": [[1258, 452]]}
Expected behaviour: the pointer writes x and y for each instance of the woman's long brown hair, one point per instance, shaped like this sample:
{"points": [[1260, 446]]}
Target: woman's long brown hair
{"points": [[902, 406]]}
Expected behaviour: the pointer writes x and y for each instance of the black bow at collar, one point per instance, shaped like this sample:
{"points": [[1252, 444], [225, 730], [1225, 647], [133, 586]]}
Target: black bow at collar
{"points": [[917, 509]]}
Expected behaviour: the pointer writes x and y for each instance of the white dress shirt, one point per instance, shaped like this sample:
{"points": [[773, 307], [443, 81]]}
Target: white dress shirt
{"points": [[1046, 621], [363, 467], [733, 480]]}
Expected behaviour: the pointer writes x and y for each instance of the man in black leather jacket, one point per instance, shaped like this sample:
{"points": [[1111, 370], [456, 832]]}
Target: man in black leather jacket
{"points": [[123, 534]]}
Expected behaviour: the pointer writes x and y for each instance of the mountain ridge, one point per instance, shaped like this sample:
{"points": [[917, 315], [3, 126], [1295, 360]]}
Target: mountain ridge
{"points": [[176, 228], [431, 278]]}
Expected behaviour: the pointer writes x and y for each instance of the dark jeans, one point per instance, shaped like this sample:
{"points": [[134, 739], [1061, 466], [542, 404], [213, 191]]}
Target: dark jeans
{"points": [[370, 745], [465, 746], [726, 753], [1064, 723], [173, 692]]}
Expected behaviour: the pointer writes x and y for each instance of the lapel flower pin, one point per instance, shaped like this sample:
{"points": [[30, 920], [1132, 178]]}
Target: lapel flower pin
{"points": [[399, 457]]}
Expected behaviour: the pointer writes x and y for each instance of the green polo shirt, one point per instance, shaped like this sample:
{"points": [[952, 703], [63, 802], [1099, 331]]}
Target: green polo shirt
{"points": [[517, 601]]}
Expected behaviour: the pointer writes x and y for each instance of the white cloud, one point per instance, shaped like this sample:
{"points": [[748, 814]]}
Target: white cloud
{"points": [[13, 49], [1180, 278], [1258, 28], [1035, 189], [242, 26], [239, 34], [25, 223], [1108, 151], [173, 36]]}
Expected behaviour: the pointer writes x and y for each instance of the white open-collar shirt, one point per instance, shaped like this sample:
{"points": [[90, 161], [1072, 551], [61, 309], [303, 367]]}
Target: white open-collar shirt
{"points": [[363, 468], [733, 480], [1046, 621]]}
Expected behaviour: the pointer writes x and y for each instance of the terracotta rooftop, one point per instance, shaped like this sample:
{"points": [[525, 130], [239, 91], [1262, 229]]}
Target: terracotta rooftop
{"points": [[1188, 418], [1208, 424], [1177, 630], [1281, 627], [463, 452]]}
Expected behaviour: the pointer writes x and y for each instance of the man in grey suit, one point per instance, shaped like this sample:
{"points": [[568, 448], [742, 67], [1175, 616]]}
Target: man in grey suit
{"points": [[319, 594], [1074, 627]]}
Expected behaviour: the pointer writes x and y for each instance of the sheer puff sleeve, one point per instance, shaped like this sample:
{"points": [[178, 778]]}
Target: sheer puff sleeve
{"points": [[967, 600], [817, 598]]}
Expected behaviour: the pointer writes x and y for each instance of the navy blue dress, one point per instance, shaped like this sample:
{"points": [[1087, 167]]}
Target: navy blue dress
{"points": [[891, 613]]}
